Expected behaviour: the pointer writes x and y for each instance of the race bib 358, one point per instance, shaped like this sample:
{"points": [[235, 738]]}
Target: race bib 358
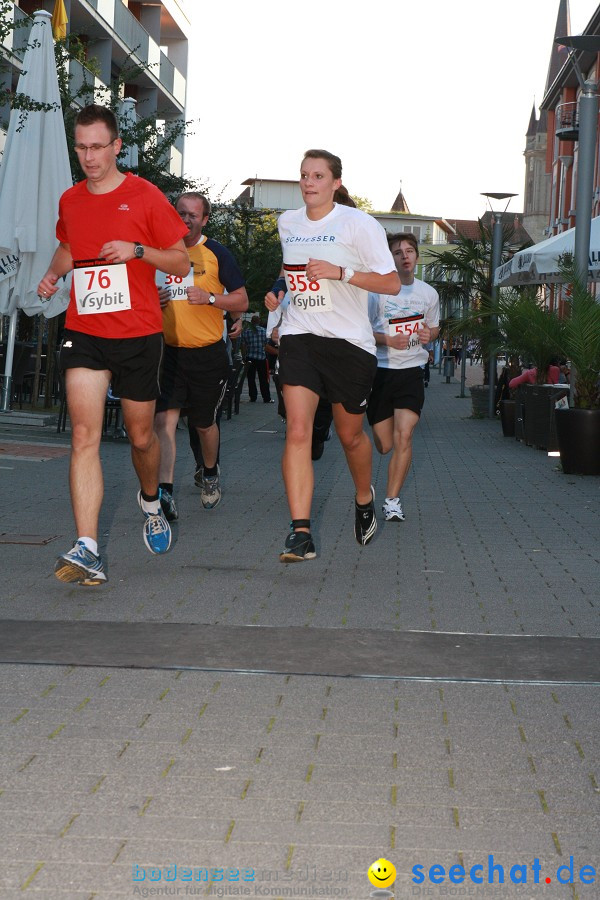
{"points": [[309, 296]]}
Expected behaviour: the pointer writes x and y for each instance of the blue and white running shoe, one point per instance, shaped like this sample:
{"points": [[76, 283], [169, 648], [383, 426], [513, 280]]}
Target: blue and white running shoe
{"points": [[157, 531], [80, 566]]}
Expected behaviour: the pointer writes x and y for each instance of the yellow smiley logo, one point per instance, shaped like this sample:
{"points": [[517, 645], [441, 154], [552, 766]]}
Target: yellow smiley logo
{"points": [[382, 873]]}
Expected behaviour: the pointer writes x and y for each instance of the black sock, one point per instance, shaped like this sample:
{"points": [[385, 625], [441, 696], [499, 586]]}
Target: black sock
{"points": [[148, 498], [167, 486], [210, 471]]}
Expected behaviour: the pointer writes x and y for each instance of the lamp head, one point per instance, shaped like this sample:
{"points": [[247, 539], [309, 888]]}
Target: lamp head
{"points": [[588, 42], [498, 196]]}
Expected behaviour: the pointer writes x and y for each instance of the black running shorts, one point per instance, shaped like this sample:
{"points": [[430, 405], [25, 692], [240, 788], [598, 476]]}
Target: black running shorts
{"points": [[395, 389], [194, 378], [134, 363], [333, 368]]}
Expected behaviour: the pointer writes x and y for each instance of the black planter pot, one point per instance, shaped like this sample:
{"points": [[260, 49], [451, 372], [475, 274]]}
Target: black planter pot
{"points": [[578, 433], [538, 414], [480, 396], [507, 417]]}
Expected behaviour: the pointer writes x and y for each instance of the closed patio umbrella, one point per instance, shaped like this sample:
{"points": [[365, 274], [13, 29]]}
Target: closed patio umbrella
{"points": [[34, 173], [59, 20]]}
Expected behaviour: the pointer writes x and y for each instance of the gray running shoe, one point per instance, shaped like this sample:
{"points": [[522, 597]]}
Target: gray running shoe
{"points": [[210, 490], [80, 566]]}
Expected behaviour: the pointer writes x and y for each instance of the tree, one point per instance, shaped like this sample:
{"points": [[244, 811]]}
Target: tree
{"points": [[252, 236], [362, 203], [463, 279]]}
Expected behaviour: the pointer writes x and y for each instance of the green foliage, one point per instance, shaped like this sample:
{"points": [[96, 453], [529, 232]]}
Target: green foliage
{"points": [[252, 236], [362, 203], [528, 329], [578, 339], [462, 277]]}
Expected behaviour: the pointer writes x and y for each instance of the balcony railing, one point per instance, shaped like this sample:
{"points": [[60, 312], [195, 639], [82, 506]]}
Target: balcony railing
{"points": [[167, 72], [131, 32], [567, 121]]}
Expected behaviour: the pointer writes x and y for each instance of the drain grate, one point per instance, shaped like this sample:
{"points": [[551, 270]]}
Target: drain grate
{"points": [[36, 539]]}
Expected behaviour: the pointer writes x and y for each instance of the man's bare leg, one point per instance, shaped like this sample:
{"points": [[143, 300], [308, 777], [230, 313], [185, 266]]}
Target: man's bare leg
{"points": [[86, 396], [165, 424], [138, 417]]}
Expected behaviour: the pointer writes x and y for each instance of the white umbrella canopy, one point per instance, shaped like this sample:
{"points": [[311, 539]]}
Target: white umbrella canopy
{"points": [[34, 173], [540, 264]]}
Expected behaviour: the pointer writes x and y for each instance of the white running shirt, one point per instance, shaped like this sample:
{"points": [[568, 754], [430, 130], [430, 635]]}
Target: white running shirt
{"points": [[346, 237], [418, 300]]}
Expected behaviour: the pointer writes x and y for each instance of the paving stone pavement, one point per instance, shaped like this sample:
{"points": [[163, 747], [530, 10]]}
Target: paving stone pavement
{"points": [[300, 782]]}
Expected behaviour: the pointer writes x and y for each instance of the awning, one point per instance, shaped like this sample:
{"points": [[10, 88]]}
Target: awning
{"points": [[540, 264]]}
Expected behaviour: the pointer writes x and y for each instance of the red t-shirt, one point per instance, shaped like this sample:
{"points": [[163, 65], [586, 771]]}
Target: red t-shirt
{"points": [[134, 211]]}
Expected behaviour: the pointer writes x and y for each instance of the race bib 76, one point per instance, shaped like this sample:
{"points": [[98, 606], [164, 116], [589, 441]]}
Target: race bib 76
{"points": [[100, 286]]}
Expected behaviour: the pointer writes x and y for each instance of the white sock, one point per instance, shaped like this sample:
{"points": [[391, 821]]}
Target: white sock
{"points": [[150, 506], [90, 543]]}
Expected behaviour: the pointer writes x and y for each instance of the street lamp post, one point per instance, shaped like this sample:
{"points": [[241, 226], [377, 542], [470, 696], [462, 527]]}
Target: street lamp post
{"points": [[495, 262]]}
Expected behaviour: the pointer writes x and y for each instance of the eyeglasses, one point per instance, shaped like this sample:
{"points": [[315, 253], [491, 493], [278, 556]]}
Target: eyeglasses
{"points": [[93, 148]]}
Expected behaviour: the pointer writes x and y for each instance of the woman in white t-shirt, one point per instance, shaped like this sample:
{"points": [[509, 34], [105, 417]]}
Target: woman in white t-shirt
{"points": [[333, 255]]}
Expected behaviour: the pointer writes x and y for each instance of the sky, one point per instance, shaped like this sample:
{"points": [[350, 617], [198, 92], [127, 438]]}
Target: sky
{"points": [[432, 97]]}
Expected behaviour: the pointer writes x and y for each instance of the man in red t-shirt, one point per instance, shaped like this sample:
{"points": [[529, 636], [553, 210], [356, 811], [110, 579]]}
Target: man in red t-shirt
{"points": [[114, 230]]}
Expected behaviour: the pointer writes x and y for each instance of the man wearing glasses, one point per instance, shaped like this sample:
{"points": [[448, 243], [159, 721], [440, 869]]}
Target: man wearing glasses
{"points": [[196, 364], [115, 230]]}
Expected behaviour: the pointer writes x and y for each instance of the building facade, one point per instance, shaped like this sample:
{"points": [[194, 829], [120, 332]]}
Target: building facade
{"points": [[560, 103], [116, 34], [537, 180]]}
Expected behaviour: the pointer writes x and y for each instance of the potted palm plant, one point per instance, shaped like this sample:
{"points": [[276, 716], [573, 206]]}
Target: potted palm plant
{"points": [[534, 332], [578, 427], [462, 277], [575, 337]]}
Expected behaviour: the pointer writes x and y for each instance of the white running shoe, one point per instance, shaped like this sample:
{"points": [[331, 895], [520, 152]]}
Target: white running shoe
{"points": [[392, 510]]}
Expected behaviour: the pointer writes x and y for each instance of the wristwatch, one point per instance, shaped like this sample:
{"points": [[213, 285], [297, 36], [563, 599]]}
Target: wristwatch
{"points": [[138, 250], [211, 299], [348, 274]]}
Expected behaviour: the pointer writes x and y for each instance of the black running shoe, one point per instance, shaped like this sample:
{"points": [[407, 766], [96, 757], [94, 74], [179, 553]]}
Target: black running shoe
{"points": [[198, 476], [169, 507], [365, 521], [317, 447], [299, 546]]}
